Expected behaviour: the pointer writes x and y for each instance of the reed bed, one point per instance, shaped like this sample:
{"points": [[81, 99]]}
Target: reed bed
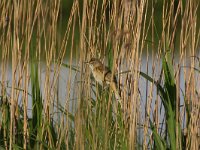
{"points": [[151, 46]]}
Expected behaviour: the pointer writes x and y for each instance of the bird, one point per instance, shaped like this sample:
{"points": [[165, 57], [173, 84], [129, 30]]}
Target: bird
{"points": [[103, 75]]}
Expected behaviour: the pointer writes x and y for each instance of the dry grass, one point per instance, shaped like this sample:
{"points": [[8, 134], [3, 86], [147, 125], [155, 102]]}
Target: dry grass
{"points": [[122, 34]]}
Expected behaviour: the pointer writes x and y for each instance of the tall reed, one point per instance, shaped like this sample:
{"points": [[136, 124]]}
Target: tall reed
{"points": [[160, 102]]}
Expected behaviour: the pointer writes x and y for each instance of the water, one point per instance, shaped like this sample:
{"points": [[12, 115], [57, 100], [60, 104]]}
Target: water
{"points": [[63, 89]]}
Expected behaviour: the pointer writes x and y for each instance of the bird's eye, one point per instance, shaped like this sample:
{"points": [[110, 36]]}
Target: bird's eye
{"points": [[92, 61]]}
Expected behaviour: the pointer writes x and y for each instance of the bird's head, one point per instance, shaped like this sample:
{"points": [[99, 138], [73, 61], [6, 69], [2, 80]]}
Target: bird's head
{"points": [[94, 62]]}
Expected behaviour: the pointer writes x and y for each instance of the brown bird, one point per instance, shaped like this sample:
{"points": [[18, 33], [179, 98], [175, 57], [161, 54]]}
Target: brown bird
{"points": [[103, 75]]}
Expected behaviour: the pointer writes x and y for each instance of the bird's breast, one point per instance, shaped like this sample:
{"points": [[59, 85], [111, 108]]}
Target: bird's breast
{"points": [[98, 77]]}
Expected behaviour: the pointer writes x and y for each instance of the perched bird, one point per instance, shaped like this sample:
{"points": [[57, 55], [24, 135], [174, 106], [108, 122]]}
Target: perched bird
{"points": [[103, 75]]}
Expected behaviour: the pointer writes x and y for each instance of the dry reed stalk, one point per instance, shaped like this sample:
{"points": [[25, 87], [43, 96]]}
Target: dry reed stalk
{"points": [[15, 61], [5, 51], [189, 40], [134, 66], [126, 29]]}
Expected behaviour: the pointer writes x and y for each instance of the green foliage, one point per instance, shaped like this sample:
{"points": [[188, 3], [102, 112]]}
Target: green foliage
{"points": [[5, 122], [41, 132], [159, 141], [5, 126], [103, 126], [37, 105], [167, 94]]}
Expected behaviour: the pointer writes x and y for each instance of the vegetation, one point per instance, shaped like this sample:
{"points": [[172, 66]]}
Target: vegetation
{"points": [[49, 99]]}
